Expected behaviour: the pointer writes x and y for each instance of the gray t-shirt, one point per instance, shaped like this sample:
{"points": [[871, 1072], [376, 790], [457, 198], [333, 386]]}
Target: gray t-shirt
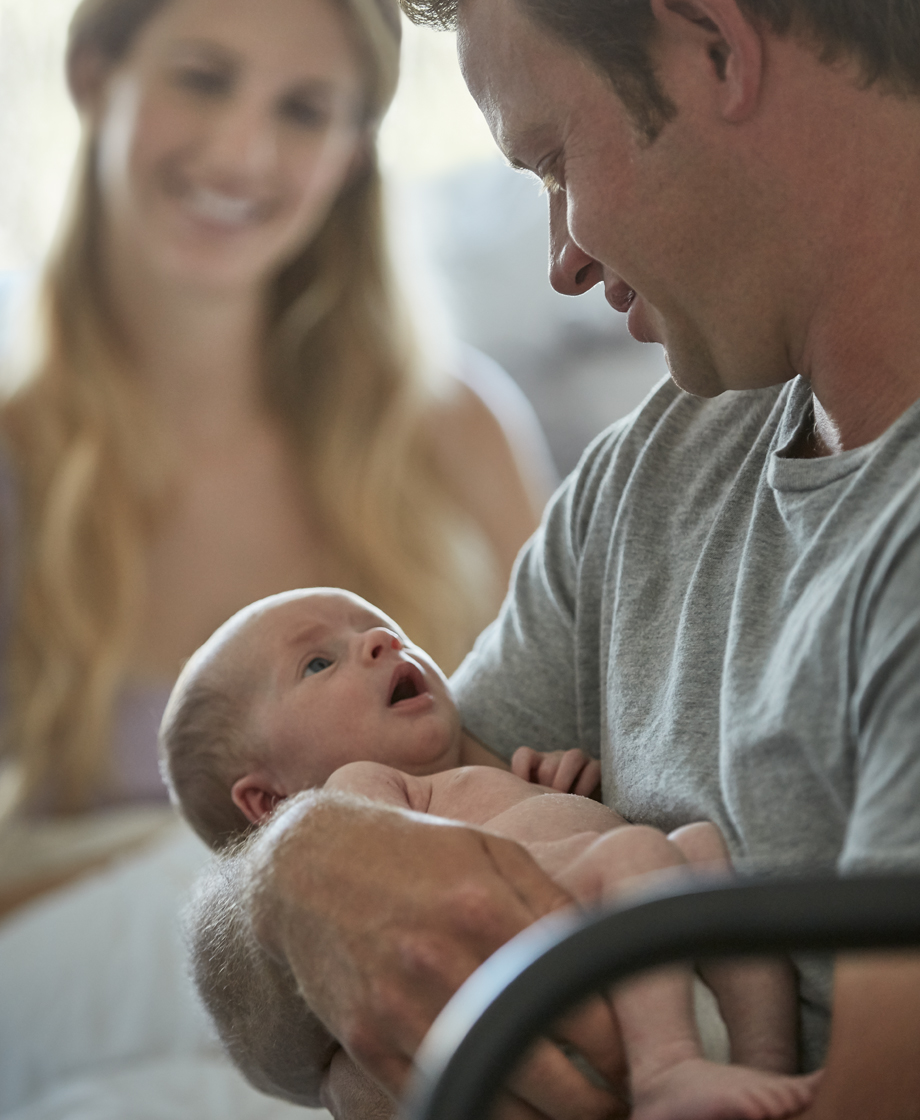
{"points": [[735, 633]]}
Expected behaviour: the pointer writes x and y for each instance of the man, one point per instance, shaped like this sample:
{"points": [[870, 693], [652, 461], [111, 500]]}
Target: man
{"points": [[723, 601]]}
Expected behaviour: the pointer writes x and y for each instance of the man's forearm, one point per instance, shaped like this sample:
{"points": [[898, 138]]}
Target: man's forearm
{"points": [[261, 1017], [374, 916], [873, 1062]]}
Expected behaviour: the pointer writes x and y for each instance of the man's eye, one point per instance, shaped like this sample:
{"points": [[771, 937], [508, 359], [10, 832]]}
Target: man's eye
{"points": [[316, 665]]}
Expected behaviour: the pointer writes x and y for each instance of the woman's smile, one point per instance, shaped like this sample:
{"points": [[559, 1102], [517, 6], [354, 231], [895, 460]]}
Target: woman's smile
{"points": [[228, 119]]}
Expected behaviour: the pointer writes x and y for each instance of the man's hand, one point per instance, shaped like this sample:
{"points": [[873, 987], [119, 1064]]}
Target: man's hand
{"points": [[565, 771], [382, 914], [349, 1094]]}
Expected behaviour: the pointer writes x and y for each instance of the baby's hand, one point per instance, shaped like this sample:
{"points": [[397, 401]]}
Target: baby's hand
{"points": [[566, 771]]}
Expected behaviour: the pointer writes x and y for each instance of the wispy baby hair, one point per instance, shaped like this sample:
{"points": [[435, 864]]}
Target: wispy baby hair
{"points": [[206, 742]]}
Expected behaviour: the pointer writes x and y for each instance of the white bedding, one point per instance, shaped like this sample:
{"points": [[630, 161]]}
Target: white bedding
{"points": [[98, 1019], [163, 1089]]}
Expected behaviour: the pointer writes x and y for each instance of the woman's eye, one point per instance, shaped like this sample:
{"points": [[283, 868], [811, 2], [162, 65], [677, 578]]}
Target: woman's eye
{"points": [[304, 112], [211, 83], [316, 665]]}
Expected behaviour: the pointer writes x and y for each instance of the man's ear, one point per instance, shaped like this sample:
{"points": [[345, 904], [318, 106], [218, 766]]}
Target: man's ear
{"points": [[256, 796], [87, 73], [732, 44]]}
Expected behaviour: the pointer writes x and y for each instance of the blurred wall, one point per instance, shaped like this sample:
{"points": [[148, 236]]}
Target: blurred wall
{"points": [[482, 231]]}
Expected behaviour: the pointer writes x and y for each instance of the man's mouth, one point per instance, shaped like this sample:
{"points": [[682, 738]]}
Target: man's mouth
{"points": [[406, 683], [620, 296]]}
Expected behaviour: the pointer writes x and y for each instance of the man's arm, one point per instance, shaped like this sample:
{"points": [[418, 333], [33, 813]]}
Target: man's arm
{"points": [[263, 1021], [380, 915], [873, 1062]]}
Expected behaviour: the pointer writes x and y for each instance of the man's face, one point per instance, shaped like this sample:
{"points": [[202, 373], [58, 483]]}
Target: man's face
{"points": [[661, 224]]}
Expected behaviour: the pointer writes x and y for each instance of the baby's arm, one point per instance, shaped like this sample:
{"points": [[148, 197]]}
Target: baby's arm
{"points": [[564, 771]]}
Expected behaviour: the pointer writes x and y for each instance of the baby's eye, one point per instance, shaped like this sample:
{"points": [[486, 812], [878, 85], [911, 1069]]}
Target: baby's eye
{"points": [[316, 665]]}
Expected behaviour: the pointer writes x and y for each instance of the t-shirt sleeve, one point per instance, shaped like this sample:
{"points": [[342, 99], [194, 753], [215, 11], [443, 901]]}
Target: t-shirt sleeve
{"points": [[520, 685], [884, 825], [516, 686]]}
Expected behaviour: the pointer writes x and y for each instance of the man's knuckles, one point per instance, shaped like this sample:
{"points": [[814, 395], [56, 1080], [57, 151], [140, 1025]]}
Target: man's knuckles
{"points": [[479, 915], [366, 1039], [429, 957]]}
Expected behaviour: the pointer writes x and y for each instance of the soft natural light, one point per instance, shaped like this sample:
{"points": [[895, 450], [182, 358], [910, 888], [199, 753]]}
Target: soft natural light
{"points": [[38, 128], [434, 125]]}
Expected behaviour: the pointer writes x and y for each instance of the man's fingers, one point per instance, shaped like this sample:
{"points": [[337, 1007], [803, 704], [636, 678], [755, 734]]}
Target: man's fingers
{"points": [[511, 1107], [483, 915], [537, 892], [548, 1080], [592, 1029], [349, 1094]]}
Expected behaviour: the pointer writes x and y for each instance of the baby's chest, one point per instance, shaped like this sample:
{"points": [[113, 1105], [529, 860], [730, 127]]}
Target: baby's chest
{"points": [[478, 794]]}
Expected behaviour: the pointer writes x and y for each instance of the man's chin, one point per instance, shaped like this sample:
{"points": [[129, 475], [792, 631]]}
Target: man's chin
{"points": [[693, 371]]}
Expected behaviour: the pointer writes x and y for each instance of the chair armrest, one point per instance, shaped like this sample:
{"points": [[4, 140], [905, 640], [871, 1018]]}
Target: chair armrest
{"points": [[532, 979]]}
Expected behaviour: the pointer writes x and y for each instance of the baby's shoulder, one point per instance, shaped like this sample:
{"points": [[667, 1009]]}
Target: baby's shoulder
{"points": [[375, 781]]}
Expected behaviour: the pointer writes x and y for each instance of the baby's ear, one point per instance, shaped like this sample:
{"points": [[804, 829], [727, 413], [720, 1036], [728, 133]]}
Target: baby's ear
{"points": [[256, 796]]}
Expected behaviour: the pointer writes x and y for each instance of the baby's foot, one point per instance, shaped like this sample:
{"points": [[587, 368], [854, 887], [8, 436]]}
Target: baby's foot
{"points": [[695, 1089]]}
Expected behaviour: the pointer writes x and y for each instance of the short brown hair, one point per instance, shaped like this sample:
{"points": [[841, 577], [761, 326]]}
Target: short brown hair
{"points": [[206, 743], [882, 35]]}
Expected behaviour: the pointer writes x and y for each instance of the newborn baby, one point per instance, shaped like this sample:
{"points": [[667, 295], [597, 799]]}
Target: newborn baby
{"points": [[318, 688]]}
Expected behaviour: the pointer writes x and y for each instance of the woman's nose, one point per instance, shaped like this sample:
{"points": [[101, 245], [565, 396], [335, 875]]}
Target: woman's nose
{"points": [[377, 641], [571, 271], [242, 140]]}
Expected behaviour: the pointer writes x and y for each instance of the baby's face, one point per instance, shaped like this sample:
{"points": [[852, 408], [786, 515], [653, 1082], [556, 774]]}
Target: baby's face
{"points": [[340, 682]]}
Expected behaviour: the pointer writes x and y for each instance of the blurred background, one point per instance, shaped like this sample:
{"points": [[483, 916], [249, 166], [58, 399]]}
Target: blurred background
{"points": [[470, 231]]}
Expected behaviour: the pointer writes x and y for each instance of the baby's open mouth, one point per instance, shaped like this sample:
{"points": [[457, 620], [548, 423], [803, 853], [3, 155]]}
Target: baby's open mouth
{"points": [[407, 683]]}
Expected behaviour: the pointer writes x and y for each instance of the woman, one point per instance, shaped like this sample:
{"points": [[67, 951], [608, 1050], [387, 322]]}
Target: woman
{"points": [[229, 402]]}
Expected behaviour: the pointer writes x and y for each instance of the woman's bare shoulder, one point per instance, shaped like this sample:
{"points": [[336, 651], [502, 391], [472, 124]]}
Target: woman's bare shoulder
{"points": [[495, 464]]}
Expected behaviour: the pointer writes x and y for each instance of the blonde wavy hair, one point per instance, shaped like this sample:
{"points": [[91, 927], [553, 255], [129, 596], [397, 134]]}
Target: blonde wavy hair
{"points": [[347, 387]]}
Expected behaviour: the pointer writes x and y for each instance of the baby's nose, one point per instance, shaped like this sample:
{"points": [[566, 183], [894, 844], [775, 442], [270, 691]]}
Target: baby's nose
{"points": [[379, 640]]}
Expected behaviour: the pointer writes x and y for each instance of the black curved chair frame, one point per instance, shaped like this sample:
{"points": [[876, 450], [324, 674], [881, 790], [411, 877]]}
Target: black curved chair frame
{"points": [[503, 1007]]}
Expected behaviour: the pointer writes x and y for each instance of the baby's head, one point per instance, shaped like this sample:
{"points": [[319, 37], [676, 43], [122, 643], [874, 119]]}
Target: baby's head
{"points": [[287, 691]]}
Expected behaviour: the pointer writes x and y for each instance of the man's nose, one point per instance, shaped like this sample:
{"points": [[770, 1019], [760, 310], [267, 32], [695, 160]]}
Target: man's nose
{"points": [[377, 641], [571, 271]]}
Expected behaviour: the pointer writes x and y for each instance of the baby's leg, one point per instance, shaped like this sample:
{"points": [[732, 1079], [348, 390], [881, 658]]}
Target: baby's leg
{"points": [[757, 998], [670, 1080]]}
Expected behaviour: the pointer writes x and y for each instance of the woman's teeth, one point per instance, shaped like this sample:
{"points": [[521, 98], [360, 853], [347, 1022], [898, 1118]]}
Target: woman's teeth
{"points": [[222, 208]]}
